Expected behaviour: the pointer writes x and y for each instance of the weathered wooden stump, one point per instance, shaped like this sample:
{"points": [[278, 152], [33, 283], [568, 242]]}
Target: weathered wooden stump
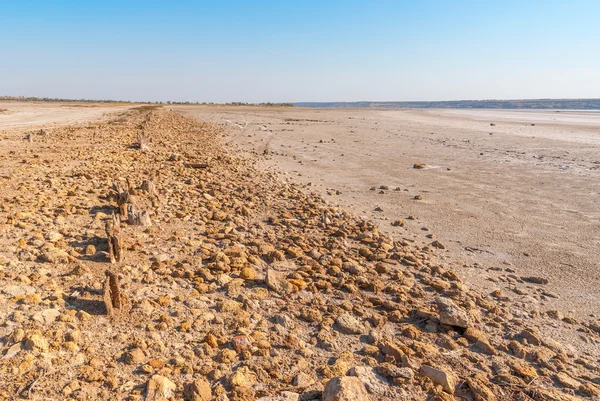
{"points": [[135, 218], [149, 188], [143, 142], [121, 196], [114, 299], [112, 234]]}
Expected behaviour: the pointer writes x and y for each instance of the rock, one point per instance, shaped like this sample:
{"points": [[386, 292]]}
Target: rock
{"points": [[135, 357], [284, 396], [523, 370], [419, 166], [480, 390], [35, 341], [394, 372], [374, 382], [243, 377], [13, 290], [90, 250], [46, 317], [389, 348], [590, 390], [248, 273], [444, 378], [303, 380], [159, 388], [240, 343], [535, 280], [197, 390], [277, 281], [12, 351], [567, 381], [451, 314], [345, 388], [229, 305], [348, 324], [56, 256]]}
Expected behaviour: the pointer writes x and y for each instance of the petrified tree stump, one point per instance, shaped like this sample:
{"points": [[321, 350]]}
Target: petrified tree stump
{"points": [[114, 299], [148, 187], [112, 235], [121, 196], [143, 142], [135, 218]]}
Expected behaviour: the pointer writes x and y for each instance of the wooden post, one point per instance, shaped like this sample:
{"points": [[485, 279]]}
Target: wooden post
{"points": [[148, 186], [121, 196], [143, 142], [135, 218], [115, 301], [112, 235]]}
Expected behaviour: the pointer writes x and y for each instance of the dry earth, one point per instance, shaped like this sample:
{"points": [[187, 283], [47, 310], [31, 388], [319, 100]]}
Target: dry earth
{"points": [[244, 286], [20, 114], [515, 199]]}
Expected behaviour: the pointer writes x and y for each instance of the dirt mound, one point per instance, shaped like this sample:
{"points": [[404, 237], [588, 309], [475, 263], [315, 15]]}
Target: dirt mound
{"points": [[229, 284]]}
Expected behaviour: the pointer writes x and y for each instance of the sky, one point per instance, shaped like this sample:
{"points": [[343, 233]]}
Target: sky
{"points": [[294, 51]]}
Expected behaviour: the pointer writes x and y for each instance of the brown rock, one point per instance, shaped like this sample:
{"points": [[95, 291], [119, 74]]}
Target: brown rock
{"points": [[345, 388], [134, 356], [451, 314], [277, 281], [444, 378], [159, 388], [197, 390], [348, 324], [480, 390]]}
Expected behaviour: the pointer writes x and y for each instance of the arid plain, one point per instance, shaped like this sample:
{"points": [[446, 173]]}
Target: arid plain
{"points": [[501, 190], [257, 271], [508, 193]]}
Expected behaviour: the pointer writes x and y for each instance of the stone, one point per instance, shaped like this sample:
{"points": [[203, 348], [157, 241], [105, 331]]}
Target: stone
{"points": [[392, 371], [589, 389], [389, 348], [159, 388], [283, 396], [248, 273], [345, 388], [197, 390], [277, 281], [12, 351], [240, 343], [46, 317], [567, 381], [374, 382], [13, 290], [303, 380], [243, 377], [135, 356], [35, 341], [480, 390], [90, 250], [348, 324], [444, 378], [451, 314]]}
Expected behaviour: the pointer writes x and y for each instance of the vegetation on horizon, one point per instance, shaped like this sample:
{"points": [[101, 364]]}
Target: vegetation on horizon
{"points": [[60, 100]]}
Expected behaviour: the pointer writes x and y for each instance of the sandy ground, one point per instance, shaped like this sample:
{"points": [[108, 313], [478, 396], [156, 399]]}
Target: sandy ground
{"points": [[515, 199], [18, 115]]}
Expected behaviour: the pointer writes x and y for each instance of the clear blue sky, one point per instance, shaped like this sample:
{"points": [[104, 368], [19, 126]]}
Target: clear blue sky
{"points": [[280, 51]]}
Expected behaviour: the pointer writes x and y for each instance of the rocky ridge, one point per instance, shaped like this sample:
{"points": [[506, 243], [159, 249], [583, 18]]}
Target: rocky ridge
{"points": [[238, 287]]}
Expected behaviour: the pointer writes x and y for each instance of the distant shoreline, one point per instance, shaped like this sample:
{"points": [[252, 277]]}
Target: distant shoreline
{"points": [[511, 104], [525, 104]]}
